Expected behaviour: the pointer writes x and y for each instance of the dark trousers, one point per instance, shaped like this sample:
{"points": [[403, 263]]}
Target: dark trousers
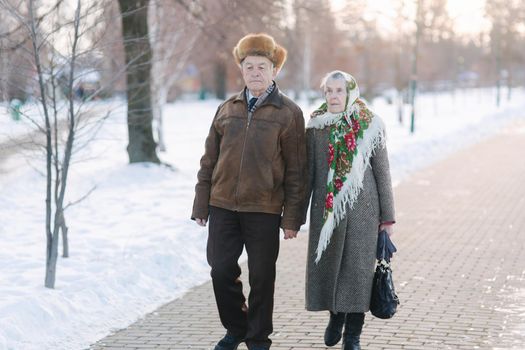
{"points": [[229, 232]]}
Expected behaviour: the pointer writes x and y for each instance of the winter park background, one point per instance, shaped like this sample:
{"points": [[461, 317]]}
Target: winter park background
{"points": [[456, 66], [133, 247]]}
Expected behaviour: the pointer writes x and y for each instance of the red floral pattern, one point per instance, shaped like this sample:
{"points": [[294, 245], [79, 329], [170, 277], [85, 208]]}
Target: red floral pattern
{"points": [[330, 200], [350, 141], [356, 126], [338, 183]]}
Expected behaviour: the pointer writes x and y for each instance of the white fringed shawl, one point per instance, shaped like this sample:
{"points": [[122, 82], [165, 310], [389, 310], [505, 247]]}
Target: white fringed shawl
{"points": [[373, 137]]}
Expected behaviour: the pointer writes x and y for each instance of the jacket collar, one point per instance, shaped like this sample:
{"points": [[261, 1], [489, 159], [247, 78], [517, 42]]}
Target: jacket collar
{"points": [[274, 98]]}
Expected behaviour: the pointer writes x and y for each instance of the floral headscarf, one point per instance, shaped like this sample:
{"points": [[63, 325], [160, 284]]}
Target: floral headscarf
{"points": [[348, 150]]}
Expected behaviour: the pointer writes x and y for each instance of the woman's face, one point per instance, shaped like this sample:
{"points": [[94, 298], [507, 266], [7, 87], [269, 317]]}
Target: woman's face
{"points": [[335, 94]]}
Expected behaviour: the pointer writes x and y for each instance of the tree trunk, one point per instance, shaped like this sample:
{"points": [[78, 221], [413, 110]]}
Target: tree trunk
{"points": [[51, 261], [4, 71], [220, 79], [51, 256], [307, 61], [497, 38], [413, 79], [509, 84], [399, 82], [65, 241], [162, 100], [400, 106], [141, 147]]}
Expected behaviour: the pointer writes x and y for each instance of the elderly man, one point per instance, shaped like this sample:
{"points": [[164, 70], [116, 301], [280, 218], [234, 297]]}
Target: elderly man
{"points": [[252, 171]]}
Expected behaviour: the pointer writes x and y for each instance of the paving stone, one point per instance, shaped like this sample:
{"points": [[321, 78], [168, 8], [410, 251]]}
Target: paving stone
{"points": [[458, 271]]}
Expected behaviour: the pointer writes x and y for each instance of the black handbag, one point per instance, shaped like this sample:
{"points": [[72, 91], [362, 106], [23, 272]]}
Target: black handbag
{"points": [[384, 301]]}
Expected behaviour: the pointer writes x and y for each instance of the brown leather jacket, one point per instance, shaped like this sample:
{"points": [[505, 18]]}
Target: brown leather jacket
{"points": [[256, 166]]}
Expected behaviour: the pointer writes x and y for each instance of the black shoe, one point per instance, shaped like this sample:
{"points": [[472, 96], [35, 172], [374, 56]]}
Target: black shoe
{"points": [[229, 342], [351, 343], [333, 331], [353, 327], [259, 348]]}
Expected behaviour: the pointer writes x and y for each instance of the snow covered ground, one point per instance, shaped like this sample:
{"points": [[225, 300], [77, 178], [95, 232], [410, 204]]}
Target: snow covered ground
{"points": [[30, 112], [132, 244]]}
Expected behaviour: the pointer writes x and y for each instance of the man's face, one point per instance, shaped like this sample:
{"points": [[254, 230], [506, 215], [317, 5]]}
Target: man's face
{"points": [[335, 94], [258, 73]]}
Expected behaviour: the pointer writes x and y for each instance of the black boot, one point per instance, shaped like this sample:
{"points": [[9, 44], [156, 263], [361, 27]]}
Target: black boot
{"points": [[229, 342], [332, 334], [353, 327]]}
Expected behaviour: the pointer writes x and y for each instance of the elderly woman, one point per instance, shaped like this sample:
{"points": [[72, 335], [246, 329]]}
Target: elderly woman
{"points": [[349, 181]]}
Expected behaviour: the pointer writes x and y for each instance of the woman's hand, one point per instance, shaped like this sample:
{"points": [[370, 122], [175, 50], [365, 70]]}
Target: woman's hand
{"points": [[388, 227]]}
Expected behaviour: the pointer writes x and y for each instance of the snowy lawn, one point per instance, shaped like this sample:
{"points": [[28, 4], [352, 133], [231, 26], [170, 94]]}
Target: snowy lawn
{"points": [[11, 129], [132, 244]]}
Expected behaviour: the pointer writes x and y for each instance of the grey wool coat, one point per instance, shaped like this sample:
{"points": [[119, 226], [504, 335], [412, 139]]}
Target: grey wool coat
{"points": [[342, 280]]}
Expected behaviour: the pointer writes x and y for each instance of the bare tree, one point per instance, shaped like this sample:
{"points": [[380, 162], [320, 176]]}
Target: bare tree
{"points": [[56, 45], [376, 56], [400, 46], [413, 77], [432, 24], [3, 57], [172, 38], [111, 49], [141, 146], [13, 66], [359, 42], [313, 55], [506, 18], [222, 23]]}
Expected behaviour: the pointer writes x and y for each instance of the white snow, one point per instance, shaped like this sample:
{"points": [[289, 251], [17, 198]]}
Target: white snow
{"points": [[11, 129], [31, 114], [132, 245]]}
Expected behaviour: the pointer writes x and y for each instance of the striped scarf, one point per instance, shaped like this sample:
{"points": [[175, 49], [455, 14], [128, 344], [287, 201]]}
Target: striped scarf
{"points": [[261, 98]]}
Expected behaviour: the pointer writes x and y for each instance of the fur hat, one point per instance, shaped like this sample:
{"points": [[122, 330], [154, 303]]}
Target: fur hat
{"points": [[260, 45]]}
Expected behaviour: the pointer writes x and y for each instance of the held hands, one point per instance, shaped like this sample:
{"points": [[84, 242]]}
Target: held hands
{"points": [[289, 234]]}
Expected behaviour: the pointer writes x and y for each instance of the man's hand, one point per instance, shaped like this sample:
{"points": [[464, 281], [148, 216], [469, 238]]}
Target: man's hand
{"points": [[201, 222], [389, 228], [289, 234]]}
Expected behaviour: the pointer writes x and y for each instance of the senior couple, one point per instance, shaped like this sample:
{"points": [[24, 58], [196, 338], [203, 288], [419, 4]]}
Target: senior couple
{"points": [[258, 172]]}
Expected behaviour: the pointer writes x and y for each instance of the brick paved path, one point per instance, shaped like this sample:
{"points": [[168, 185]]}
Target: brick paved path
{"points": [[459, 271]]}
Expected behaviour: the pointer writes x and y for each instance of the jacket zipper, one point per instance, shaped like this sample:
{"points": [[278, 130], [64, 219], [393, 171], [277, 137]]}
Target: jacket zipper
{"points": [[242, 159]]}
